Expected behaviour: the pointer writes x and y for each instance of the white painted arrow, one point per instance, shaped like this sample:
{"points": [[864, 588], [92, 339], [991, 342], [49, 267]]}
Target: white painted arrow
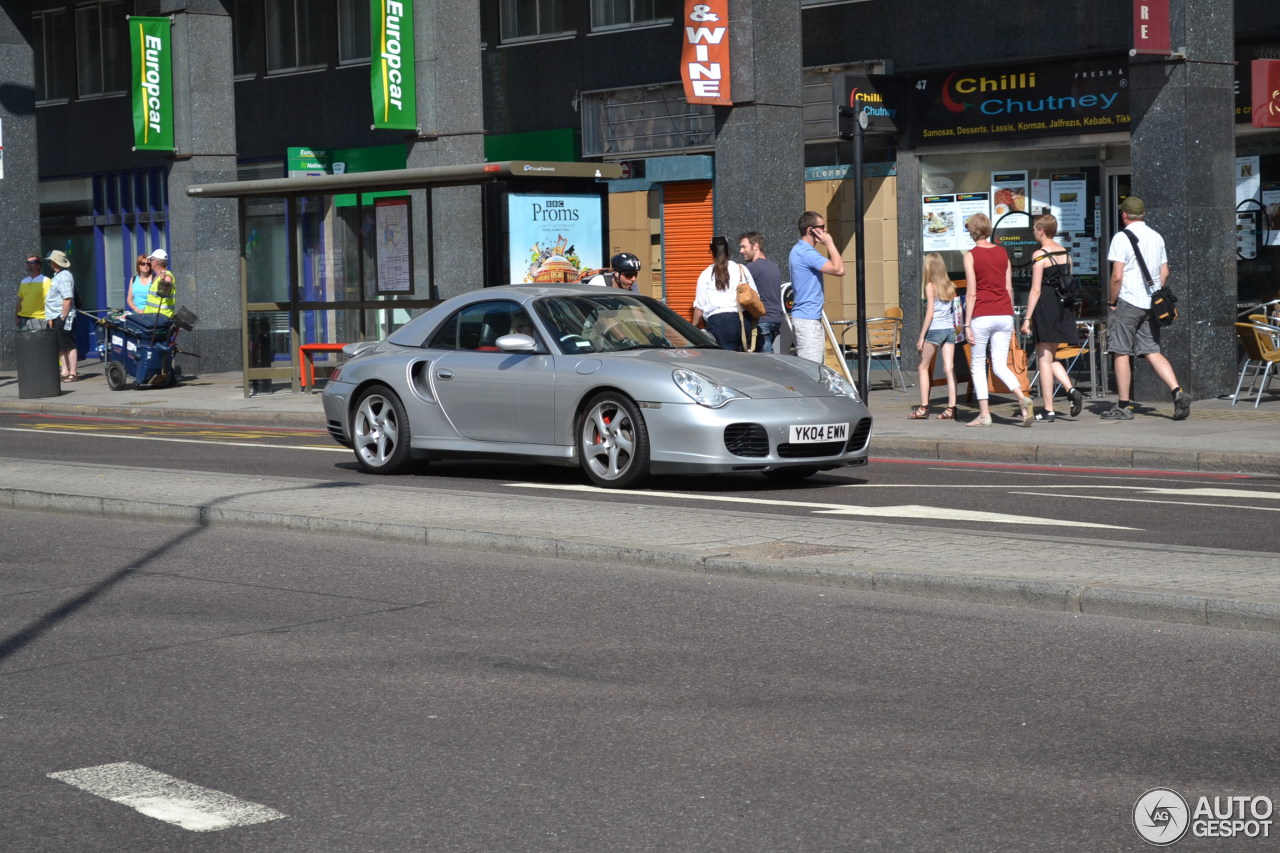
{"points": [[904, 511], [166, 798]]}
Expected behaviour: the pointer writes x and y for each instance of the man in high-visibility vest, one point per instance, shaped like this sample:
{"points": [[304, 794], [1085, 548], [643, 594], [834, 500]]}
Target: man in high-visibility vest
{"points": [[32, 291], [163, 292]]}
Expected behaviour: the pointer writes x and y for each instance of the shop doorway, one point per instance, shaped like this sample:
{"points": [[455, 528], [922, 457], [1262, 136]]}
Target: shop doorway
{"points": [[1119, 187]]}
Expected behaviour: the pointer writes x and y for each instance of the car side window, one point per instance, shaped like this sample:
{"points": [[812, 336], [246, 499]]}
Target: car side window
{"points": [[477, 327], [446, 337]]}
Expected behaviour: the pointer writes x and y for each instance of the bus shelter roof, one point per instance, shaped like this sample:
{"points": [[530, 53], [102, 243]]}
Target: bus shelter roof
{"points": [[404, 179]]}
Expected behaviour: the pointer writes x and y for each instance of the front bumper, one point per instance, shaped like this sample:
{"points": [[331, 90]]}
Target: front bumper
{"points": [[753, 435]]}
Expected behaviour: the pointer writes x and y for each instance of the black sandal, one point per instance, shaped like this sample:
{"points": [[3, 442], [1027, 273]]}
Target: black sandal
{"points": [[919, 413]]}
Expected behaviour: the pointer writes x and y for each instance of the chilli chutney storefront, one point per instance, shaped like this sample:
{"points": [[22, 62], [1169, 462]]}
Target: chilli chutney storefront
{"points": [[1058, 136], [1014, 142]]}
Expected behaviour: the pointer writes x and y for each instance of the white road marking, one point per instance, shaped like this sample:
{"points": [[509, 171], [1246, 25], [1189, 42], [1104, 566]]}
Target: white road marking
{"points": [[1152, 501], [904, 511], [1203, 492], [166, 798], [177, 440]]}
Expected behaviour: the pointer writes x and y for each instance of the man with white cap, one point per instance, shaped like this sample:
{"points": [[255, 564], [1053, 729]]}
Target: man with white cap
{"points": [[60, 312], [163, 292]]}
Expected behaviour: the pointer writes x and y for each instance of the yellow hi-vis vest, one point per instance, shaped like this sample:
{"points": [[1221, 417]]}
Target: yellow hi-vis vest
{"points": [[161, 296]]}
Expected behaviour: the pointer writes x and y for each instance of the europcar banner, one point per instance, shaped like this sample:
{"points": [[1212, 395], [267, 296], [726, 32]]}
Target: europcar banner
{"points": [[395, 104], [150, 44]]}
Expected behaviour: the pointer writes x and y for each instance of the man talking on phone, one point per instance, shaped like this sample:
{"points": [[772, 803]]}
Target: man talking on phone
{"points": [[808, 267]]}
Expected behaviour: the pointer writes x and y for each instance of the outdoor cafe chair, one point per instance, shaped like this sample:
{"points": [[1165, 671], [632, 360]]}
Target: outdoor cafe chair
{"points": [[1261, 345], [884, 346]]}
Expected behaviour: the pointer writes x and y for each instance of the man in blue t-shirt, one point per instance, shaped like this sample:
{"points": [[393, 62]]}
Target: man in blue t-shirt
{"points": [[807, 269], [769, 284]]}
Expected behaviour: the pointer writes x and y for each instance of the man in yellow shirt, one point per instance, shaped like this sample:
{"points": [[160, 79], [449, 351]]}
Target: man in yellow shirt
{"points": [[32, 292]]}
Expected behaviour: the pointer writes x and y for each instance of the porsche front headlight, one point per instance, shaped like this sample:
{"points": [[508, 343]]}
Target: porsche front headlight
{"points": [[704, 391], [836, 383]]}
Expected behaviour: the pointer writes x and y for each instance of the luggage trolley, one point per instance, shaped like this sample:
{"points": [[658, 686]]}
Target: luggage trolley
{"points": [[141, 347]]}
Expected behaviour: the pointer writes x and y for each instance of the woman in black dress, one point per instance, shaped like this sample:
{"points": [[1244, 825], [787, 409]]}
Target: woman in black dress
{"points": [[1051, 323]]}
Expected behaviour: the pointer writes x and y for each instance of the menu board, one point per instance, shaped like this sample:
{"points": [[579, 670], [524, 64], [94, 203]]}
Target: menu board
{"points": [[1084, 253], [1008, 193], [967, 204], [1068, 196], [1248, 179], [1271, 202], [945, 218], [939, 223]]}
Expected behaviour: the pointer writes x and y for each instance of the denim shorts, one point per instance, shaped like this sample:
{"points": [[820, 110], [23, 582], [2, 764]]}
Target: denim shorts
{"points": [[939, 337]]}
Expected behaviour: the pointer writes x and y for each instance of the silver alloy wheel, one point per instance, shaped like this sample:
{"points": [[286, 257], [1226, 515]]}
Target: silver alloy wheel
{"points": [[613, 442], [379, 432]]}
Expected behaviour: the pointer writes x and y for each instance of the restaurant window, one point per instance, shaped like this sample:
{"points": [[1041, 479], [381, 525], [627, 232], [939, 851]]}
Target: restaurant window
{"points": [[102, 49], [619, 13], [353, 31], [1012, 187], [52, 79], [295, 35], [529, 19]]}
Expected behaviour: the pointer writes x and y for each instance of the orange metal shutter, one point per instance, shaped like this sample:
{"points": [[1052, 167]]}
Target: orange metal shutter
{"points": [[687, 229]]}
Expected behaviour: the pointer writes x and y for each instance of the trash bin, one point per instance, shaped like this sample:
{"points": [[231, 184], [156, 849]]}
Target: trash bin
{"points": [[37, 357], [260, 354]]}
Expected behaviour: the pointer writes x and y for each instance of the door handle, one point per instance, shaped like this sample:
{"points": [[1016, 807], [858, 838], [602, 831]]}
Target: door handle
{"points": [[444, 373]]}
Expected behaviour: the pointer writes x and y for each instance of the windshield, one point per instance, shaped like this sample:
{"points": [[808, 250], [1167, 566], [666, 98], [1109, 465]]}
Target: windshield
{"points": [[612, 322]]}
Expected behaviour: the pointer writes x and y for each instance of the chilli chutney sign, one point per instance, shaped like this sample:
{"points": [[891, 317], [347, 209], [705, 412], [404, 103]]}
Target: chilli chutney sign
{"points": [[1045, 99]]}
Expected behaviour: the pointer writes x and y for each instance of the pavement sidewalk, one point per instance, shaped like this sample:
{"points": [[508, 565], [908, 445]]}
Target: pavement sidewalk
{"points": [[1069, 571], [1218, 437]]}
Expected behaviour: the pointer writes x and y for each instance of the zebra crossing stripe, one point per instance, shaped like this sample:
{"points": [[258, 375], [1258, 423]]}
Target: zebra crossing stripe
{"points": [[167, 798]]}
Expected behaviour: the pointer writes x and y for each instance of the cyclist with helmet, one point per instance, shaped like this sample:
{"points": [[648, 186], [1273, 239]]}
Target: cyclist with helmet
{"points": [[623, 269]]}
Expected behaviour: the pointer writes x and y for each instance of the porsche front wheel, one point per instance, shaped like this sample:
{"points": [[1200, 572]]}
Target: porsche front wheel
{"points": [[613, 443], [380, 432]]}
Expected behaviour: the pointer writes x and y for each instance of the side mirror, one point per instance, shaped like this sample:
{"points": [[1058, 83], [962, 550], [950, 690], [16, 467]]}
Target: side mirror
{"points": [[516, 343]]}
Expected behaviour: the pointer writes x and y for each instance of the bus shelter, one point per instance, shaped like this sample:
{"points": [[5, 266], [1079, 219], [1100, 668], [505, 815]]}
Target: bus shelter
{"points": [[328, 260]]}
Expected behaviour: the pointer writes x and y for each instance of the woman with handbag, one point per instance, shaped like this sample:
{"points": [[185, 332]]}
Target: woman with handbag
{"points": [[989, 318], [716, 300], [1050, 320]]}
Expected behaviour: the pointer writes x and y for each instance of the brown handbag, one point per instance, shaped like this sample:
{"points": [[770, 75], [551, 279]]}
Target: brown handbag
{"points": [[748, 299]]}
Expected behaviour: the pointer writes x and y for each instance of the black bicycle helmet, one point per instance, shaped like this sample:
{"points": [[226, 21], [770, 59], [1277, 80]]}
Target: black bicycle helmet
{"points": [[625, 263]]}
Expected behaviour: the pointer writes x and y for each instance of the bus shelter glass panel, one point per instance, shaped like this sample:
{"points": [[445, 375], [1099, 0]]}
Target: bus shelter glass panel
{"points": [[269, 338], [340, 325], [266, 251]]}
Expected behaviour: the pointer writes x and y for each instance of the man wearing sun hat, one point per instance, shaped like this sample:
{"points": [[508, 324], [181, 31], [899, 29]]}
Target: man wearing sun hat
{"points": [[60, 312], [1131, 330]]}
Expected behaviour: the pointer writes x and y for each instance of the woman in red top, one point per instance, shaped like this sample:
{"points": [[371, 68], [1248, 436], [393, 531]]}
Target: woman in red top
{"points": [[989, 317]]}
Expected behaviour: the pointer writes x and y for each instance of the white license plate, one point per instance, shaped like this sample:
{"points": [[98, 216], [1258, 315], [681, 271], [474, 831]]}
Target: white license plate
{"points": [[819, 433]]}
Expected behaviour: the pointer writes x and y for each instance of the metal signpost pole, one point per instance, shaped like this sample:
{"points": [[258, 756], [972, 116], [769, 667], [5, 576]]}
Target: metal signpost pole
{"points": [[859, 256]]}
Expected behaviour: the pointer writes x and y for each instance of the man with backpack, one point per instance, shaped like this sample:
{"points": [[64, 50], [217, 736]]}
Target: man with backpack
{"points": [[1135, 251]]}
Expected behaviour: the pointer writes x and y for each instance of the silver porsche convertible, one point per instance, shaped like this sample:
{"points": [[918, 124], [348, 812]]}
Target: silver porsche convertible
{"points": [[608, 380]]}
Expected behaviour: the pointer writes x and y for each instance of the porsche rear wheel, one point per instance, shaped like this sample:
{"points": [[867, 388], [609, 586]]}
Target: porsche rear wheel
{"points": [[380, 432], [613, 443]]}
